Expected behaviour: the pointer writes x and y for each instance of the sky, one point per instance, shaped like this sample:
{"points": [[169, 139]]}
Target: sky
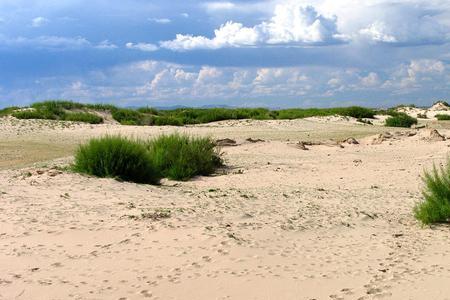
{"points": [[273, 53]]}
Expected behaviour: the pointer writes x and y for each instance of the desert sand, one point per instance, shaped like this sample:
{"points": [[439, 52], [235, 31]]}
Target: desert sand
{"points": [[321, 219]]}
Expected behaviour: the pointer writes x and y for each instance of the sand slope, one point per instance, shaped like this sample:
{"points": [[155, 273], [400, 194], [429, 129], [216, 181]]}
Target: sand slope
{"points": [[279, 223]]}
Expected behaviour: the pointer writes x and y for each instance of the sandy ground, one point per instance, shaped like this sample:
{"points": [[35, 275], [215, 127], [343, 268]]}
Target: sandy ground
{"points": [[279, 222]]}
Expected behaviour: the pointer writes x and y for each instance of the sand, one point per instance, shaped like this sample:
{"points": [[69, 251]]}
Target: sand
{"points": [[331, 222]]}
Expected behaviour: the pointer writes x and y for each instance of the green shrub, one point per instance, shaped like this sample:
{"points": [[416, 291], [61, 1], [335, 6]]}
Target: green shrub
{"points": [[161, 121], [127, 116], [34, 114], [48, 110], [116, 157], [442, 117], [436, 205], [8, 111], [401, 120], [83, 117], [148, 110], [181, 157], [357, 112], [353, 111], [101, 107], [57, 105], [389, 112]]}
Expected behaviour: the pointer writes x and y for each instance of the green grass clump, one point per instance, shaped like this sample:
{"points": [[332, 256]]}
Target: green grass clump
{"points": [[171, 121], [116, 157], [181, 157], [357, 112], [353, 111], [58, 110], [400, 120], [435, 208], [442, 117], [148, 110], [51, 110], [34, 114], [83, 117], [7, 111], [183, 116], [101, 107], [128, 116], [57, 105]]}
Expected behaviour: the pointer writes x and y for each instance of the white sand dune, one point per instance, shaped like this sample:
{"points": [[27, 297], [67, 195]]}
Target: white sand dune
{"points": [[280, 223]]}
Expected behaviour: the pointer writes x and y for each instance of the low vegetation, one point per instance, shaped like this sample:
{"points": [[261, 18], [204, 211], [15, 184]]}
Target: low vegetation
{"points": [[422, 116], [353, 111], [7, 111], [442, 117], [435, 208], [58, 110], [63, 110], [116, 157], [127, 116], [181, 157], [175, 156], [400, 120]]}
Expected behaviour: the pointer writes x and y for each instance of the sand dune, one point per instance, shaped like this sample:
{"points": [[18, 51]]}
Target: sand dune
{"points": [[332, 222]]}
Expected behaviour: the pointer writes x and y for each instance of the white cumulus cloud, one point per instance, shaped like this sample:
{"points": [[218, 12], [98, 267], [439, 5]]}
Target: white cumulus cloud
{"points": [[325, 22], [142, 47], [291, 24]]}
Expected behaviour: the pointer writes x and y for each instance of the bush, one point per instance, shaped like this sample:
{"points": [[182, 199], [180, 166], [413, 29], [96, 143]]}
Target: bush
{"points": [[7, 111], [83, 117], [353, 111], [161, 121], [148, 110], [441, 117], [34, 114], [436, 205], [181, 157], [101, 107], [401, 120], [57, 105], [117, 157], [127, 116], [357, 112]]}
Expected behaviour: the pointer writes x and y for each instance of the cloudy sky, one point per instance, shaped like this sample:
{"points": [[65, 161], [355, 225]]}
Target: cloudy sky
{"points": [[280, 53]]}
